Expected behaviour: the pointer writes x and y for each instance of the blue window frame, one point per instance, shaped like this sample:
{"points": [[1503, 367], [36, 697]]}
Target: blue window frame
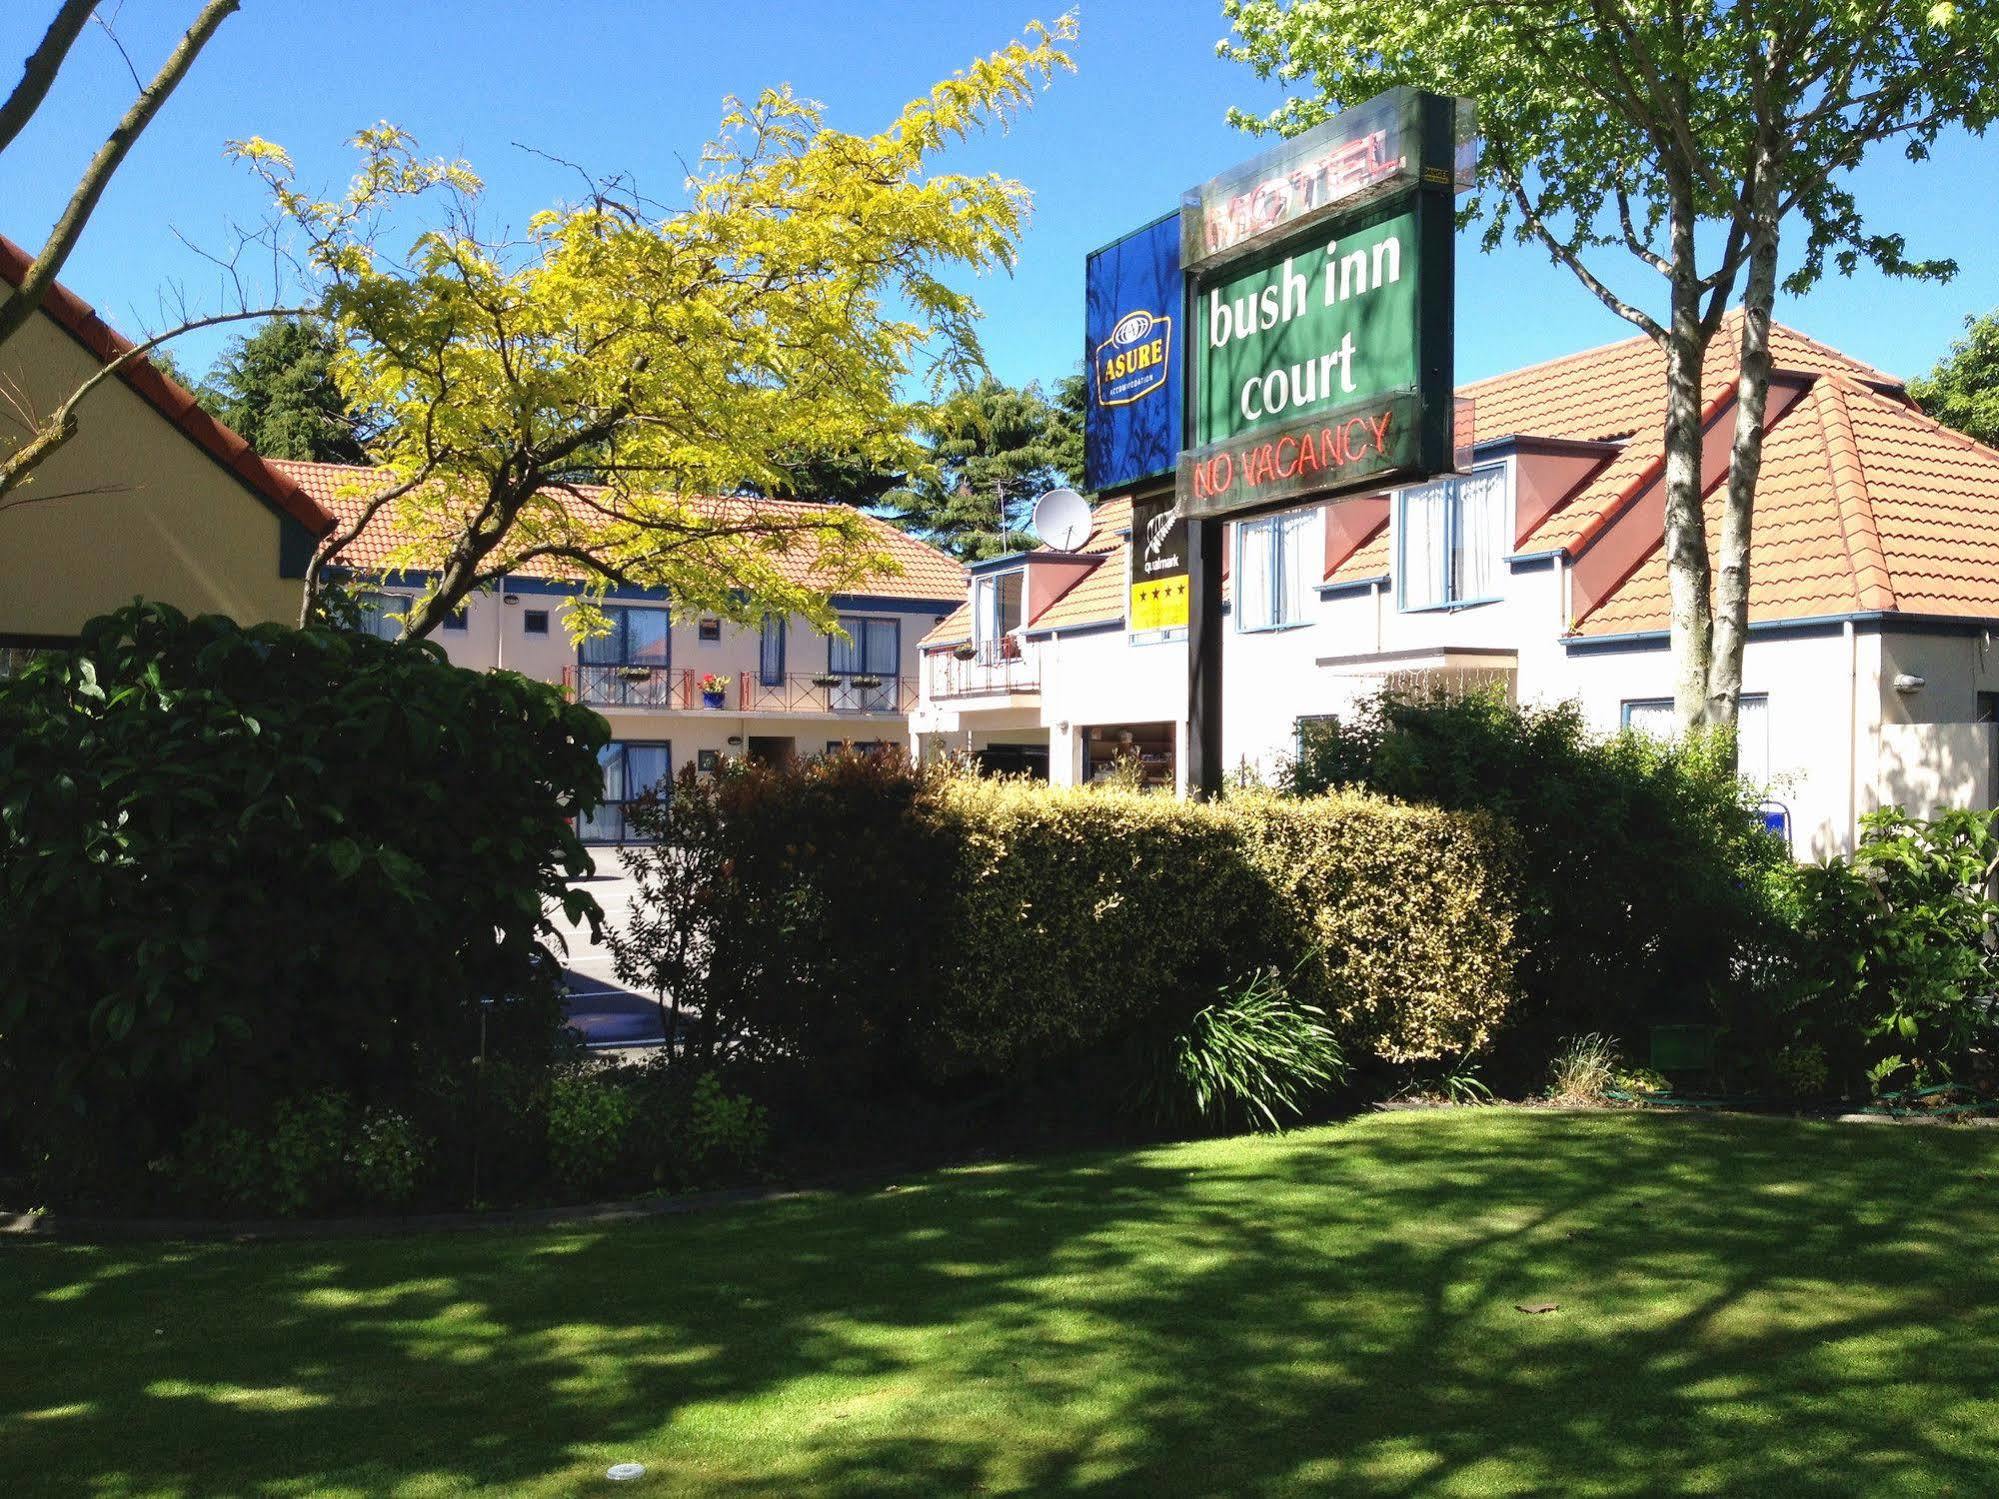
{"points": [[629, 666], [871, 648], [456, 619], [1452, 537], [1277, 566], [382, 613], [631, 769], [770, 651]]}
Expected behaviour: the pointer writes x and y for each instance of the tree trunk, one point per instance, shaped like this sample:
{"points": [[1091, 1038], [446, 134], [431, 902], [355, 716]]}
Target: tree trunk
{"points": [[1752, 399], [1692, 631]]}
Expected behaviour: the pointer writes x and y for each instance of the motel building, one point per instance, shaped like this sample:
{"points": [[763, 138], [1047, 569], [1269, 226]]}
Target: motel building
{"points": [[1871, 676], [786, 688]]}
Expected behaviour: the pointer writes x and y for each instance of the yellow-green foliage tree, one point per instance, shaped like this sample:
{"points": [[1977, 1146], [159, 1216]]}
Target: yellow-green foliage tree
{"points": [[554, 401]]}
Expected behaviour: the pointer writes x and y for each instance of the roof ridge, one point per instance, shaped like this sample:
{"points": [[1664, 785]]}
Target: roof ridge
{"points": [[1908, 409], [1559, 359], [1864, 554]]}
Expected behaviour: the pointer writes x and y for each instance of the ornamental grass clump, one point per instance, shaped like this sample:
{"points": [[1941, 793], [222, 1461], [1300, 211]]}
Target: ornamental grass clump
{"points": [[1255, 1056]]}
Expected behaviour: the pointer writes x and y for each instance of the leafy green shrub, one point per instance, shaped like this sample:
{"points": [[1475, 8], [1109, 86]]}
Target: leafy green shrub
{"points": [[256, 863], [1254, 1055], [589, 1118], [305, 1156], [1644, 875], [727, 1133], [389, 1157], [1895, 958]]}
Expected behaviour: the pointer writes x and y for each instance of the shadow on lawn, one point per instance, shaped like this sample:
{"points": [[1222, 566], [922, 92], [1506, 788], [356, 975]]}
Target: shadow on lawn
{"points": [[1746, 1305]]}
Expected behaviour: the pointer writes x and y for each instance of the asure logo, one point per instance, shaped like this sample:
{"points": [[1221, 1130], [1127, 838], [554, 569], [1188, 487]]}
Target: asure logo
{"points": [[1133, 361]]}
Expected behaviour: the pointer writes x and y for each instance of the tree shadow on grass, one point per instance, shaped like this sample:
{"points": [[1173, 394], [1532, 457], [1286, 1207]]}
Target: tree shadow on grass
{"points": [[1745, 1305]]}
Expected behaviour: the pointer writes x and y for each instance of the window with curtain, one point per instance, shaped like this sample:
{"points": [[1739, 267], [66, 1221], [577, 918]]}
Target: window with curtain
{"points": [[631, 769], [872, 648], [1454, 536], [639, 636], [998, 604], [1278, 562], [381, 613], [770, 651]]}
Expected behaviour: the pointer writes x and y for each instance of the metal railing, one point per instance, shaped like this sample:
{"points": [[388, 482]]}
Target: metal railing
{"points": [[825, 692], [658, 687], [988, 673], [615, 686]]}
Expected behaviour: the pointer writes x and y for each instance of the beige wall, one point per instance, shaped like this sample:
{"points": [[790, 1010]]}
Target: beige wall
{"points": [[160, 519]]}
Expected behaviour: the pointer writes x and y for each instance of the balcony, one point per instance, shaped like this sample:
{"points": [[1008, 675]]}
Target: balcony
{"points": [[1013, 669], [663, 689]]}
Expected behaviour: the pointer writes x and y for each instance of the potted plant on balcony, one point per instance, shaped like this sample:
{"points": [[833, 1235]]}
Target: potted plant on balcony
{"points": [[635, 673], [826, 679], [964, 650], [867, 684], [712, 690]]}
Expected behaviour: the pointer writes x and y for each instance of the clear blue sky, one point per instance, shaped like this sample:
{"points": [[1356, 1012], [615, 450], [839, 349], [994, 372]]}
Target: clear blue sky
{"points": [[630, 86]]}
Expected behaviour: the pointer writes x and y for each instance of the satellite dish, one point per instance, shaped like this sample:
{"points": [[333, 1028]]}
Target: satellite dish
{"points": [[1062, 519]]}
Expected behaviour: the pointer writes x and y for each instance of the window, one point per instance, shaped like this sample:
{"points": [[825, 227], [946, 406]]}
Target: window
{"points": [[1278, 563], [382, 613], [535, 622], [631, 769], [1454, 533], [872, 651], [455, 620], [638, 636], [710, 629], [997, 610], [770, 651], [856, 746], [1654, 716], [872, 648]]}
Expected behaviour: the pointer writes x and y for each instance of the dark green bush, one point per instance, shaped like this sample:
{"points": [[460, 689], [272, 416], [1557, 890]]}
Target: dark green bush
{"points": [[242, 865], [1644, 872], [1895, 971]]}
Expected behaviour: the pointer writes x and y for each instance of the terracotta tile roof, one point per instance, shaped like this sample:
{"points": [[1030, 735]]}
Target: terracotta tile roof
{"points": [[919, 571], [1618, 392], [1864, 504], [1370, 560], [168, 397]]}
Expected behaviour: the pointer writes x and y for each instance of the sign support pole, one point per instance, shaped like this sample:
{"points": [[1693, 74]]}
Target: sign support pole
{"points": [[1204, 659]]}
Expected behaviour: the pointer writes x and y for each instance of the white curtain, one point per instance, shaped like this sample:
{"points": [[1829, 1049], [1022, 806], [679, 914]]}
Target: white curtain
{"points": [[1252, 580], [1426, 540], [1752, 740], [1296, 571], [1482, 538]]}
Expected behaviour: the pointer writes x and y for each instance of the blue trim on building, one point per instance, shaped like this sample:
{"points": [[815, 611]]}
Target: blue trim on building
{"points": [[1530, 562], [1351, 585], [542, 586]]}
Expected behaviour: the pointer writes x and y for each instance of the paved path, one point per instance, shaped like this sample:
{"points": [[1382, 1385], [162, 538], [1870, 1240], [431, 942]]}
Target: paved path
{"points": [[605, 1011]]}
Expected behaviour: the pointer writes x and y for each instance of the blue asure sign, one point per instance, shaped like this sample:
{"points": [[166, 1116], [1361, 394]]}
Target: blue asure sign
{"points": [[1133, 357]]}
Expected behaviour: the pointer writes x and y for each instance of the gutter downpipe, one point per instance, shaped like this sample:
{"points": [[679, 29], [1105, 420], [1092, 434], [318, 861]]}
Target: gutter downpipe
{"points": [[1852, 738]]}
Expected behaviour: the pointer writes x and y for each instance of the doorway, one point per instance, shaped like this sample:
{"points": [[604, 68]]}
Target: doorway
{"points": [[772, 749]]}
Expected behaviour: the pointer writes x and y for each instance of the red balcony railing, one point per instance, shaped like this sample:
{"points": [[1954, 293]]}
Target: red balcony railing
{"points": [[660, 687]]}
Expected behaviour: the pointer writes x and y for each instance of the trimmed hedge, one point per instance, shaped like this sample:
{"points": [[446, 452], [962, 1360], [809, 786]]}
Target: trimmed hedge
{"points": [[1034, 927]]}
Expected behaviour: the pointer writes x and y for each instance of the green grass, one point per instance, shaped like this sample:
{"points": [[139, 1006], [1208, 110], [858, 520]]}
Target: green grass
{"points": [[1748, 1307]]}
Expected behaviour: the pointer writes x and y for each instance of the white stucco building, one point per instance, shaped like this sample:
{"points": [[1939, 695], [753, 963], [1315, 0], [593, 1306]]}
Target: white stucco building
{"points": [[1871, 676]]}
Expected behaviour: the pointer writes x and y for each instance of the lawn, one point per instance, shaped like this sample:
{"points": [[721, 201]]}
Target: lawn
{"points": [[1746, 1306]]}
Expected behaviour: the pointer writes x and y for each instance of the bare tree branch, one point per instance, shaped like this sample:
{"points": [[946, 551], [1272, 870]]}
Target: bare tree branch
{"points": [[41, 274], [40, 70]]}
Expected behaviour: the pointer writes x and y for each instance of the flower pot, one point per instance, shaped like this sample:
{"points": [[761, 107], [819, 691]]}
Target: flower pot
{"points": [[825, 681], [867, 684], [964, 652], [635, 673], [711, 699]]}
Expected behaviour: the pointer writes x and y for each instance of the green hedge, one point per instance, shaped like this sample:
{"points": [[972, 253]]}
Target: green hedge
{"points": [[1030, 927]]}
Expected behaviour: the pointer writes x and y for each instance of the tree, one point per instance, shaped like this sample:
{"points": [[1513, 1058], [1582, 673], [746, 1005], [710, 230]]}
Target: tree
{"points": [[276, 389], [1685, 136], [1065, 434], [659, 354], [1963, 390], [46, 432], [990, 451]]}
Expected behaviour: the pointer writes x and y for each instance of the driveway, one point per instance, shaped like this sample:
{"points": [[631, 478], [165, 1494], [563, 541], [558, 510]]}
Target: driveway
{"points": [[605, 1011]]}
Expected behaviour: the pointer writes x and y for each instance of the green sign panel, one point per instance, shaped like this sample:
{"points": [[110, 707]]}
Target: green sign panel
{"points": [[1327, 325]]}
